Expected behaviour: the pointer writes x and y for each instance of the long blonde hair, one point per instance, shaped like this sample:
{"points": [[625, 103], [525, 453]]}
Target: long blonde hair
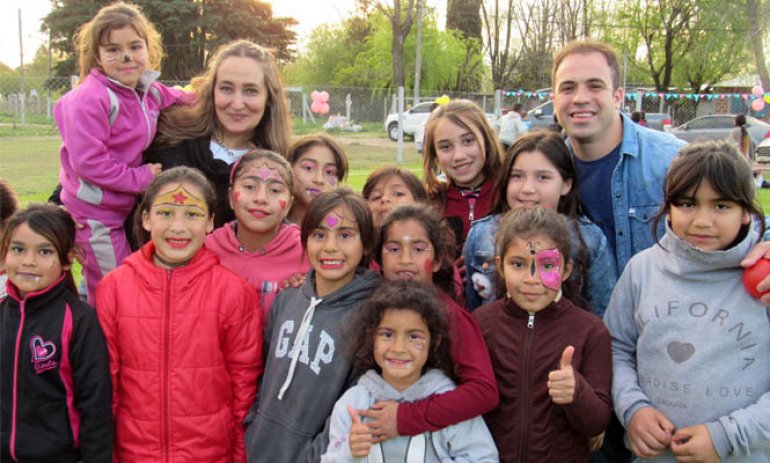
{"points": [[97, 32], [181, 122]]}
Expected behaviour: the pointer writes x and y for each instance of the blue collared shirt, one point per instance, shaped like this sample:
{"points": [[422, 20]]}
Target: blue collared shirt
{"points": [[637, 187]]}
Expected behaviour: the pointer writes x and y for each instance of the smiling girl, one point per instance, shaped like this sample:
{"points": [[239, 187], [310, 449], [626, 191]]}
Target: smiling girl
{"points": [[550, 357], [460, 142], [307, 366], [54, 366], [105, 125], [260, 245], [319, 164], [184, 334], [403, 352]]}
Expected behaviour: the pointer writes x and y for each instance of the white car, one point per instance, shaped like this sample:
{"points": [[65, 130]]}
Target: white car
{"points": [[413, 118], [762, 152]]}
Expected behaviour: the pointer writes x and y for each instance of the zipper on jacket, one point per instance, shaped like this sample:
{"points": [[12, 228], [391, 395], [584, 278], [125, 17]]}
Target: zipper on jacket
{"points": [[12, 440], [146, 116], [164, 394], [525, 388]]}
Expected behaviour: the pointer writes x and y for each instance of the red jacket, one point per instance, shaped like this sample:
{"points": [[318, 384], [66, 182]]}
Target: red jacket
{"points": [[185, 354], [527, 426]]}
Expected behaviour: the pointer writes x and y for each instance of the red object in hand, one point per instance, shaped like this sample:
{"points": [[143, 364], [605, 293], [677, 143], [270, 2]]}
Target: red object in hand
{"points": [[754, 274]]}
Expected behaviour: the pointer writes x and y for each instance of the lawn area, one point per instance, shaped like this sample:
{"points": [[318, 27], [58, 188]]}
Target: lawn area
{"points": [[30, 161]]}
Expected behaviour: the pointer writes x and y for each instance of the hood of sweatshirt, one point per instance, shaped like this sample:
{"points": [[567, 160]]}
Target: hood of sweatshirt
{"points": [[432, 382], [704, 266]]}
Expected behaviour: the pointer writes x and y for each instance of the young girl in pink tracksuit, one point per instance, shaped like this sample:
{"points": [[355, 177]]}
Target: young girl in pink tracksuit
{"points": [[105, 124]]}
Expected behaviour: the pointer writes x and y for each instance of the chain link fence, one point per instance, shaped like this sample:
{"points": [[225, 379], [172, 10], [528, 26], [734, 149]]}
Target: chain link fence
{"points": [[366, 109]]}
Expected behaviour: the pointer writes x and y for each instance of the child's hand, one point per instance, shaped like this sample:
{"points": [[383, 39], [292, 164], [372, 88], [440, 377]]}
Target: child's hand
{"points": [[360, 437], [649, 432], [294, 281], [155, 168], [561, 382], [693, 444], [384, 424]]}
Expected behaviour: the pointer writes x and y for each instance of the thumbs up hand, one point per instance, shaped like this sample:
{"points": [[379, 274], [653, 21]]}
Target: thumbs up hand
{"points": [[360, 436], [561, 382]]}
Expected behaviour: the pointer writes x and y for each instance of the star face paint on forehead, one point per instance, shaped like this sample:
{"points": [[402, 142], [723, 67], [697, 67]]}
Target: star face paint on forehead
{"points": [[549, 265], [180, 197], [264, 172]]}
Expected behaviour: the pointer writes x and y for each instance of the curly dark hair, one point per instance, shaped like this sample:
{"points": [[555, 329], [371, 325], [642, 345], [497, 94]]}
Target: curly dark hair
{"points": [[421, 298]]}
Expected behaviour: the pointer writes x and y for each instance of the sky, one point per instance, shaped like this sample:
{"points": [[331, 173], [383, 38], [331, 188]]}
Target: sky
{"points": [[309, 13]]}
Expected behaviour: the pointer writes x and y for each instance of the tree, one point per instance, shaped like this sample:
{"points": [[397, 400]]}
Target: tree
{"points": [[463, 16], [754, 13], [191, 30], [401, 17]]}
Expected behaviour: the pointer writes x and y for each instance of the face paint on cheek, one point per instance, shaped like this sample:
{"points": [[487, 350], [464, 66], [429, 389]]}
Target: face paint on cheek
{"points": [[237, 197], [282, 203], [428, 267], [549, 265], [419, 346], [331, 180]]}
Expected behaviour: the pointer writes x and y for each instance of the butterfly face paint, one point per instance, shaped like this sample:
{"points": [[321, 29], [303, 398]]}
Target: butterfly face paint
{"points": [[547, 265]]}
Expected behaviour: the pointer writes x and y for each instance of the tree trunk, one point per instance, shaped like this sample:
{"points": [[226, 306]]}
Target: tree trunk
{"points": [[757, 44]]}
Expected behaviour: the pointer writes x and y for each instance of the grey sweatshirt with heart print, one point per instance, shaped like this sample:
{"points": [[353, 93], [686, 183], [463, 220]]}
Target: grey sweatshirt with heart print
{"points": [[688, 340]]}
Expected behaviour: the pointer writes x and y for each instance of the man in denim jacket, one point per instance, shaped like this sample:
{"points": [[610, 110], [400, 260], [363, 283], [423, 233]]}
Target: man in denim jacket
{"points": [[620, 165]]}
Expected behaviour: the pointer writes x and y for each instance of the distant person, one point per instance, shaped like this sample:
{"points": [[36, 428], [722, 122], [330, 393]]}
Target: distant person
{"points": [[106, 123], [620, 165], [636, 116], [511, 126], [740, 136], [9, 204]]}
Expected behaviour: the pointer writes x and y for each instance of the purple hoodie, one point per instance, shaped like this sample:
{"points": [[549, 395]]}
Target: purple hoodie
{"points": [[101, 162]]}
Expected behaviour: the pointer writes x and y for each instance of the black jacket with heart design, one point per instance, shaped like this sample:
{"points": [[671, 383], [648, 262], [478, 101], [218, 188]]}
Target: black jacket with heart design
{"points": [[55, 391]]}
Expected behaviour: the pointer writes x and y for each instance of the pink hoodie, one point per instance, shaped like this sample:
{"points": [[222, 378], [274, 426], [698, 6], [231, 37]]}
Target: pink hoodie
{"points": [[265, 269]]}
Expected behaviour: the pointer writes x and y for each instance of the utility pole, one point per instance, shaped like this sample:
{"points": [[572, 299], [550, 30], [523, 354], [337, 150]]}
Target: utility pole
{"points": [[21, 75], [418, 53]]}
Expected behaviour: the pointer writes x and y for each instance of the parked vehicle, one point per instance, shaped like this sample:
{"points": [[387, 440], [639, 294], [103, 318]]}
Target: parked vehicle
{"points": [[413, 119], [658, 121], [540, 117], [762, 152], [718, 127]]}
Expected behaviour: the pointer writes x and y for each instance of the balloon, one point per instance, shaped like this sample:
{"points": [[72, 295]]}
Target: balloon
{"points": [[757, 90], [320, 102], [767, 98], [754, 274], [442, 100], [758, 104]]}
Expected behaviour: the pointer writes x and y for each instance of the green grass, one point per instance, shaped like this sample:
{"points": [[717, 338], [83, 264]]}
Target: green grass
{"points": [[29, 159]]}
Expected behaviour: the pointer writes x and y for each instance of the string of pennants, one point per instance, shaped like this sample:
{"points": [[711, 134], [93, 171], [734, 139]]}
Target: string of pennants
{"points": [[667, 96]]}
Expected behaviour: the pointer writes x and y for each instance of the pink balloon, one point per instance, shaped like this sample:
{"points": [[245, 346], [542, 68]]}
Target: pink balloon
{"points": [[758, 104], [315, 95], [316, 106], [757, 90], [324, 108], [324, 97]]}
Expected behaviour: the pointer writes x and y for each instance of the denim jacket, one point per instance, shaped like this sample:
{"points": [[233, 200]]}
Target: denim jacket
{"points": [[637, 187], [479, 255]]}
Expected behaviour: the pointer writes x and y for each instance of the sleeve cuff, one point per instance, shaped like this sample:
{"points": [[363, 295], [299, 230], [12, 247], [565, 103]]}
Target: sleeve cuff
{"points": [[719, 439]]}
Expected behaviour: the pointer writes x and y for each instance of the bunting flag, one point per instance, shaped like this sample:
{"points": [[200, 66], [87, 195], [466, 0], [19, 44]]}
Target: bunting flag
{"points": [[541, 95]]}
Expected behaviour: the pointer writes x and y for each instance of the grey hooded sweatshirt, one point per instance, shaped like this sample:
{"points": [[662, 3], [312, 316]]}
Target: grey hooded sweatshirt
{"points": [[688, 340], [467, 441], [289, 422]]}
